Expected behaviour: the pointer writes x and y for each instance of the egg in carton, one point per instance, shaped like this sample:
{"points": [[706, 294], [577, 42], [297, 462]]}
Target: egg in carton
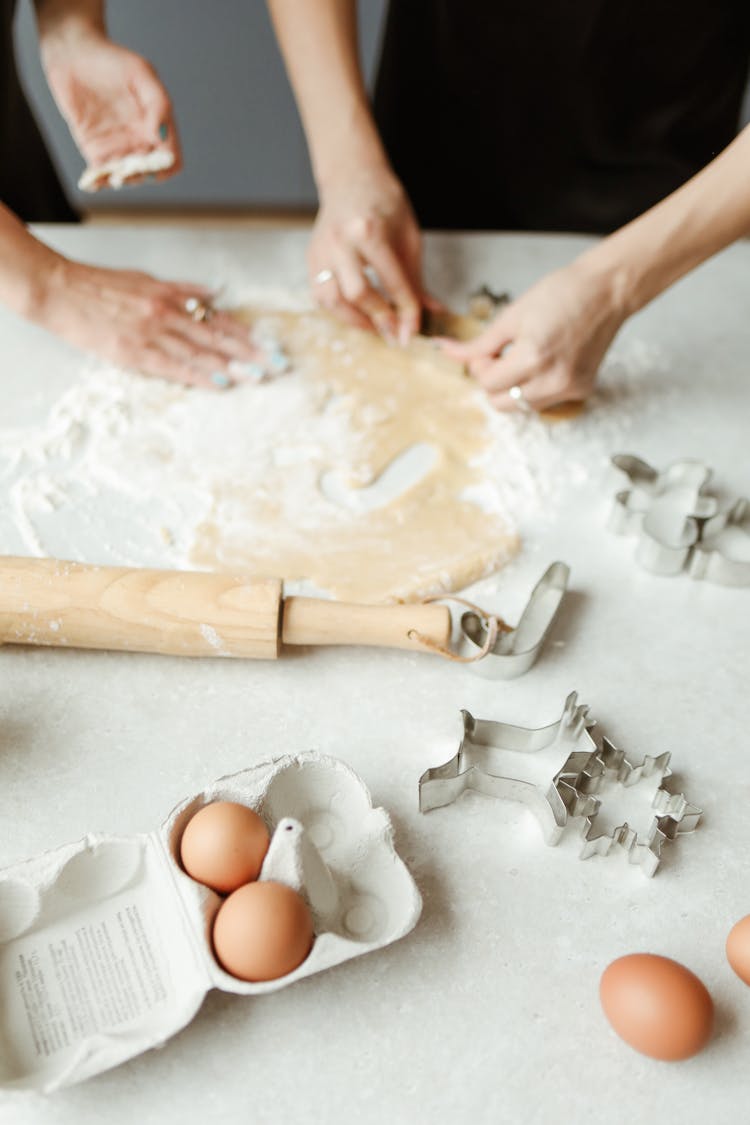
{"points": [[105, 944]]}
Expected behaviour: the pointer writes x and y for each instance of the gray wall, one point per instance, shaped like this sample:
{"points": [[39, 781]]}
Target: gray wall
{"points": [[241, 137], [240, 132]]}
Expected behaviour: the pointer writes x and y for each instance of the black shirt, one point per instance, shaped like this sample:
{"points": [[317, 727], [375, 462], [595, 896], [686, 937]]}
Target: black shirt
{"points": [[28, 181], [556, 114]]}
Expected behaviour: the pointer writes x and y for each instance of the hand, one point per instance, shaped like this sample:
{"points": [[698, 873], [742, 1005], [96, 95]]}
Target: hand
{"points": [[550, 342], [366, 235], [111, 98], [136, 321]]}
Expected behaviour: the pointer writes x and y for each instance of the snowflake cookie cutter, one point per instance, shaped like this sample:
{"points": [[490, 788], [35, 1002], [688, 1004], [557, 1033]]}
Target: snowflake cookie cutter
{"points": [[571, 793], [515, 649], [679, 524]]}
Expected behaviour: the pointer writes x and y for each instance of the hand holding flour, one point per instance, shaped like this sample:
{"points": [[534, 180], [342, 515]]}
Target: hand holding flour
{"points": [[110, 97]]}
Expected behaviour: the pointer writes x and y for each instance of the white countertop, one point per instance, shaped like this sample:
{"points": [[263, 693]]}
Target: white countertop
{"points": [[489, 1010]]}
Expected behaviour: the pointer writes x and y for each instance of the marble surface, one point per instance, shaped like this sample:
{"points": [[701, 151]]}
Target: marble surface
{"points": [[489, 1011]]}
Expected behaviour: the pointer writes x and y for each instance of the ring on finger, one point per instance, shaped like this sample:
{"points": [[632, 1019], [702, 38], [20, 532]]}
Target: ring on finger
{"points": [[520, 401], [198, 310], [324, 276]]}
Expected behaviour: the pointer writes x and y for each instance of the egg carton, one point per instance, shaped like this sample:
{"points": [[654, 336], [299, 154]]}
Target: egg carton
{"points": [[105, 944]]}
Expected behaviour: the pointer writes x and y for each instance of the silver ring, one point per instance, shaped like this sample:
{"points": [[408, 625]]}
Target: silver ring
{"points": [[198, 310], [323, 276], [519, 398]]}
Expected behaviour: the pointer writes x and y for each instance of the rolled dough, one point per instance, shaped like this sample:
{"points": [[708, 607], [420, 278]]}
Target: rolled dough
{"points": [[431, 537]]}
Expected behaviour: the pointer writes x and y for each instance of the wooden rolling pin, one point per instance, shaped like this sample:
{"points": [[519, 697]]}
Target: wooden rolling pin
{"points": [[72, 605]]}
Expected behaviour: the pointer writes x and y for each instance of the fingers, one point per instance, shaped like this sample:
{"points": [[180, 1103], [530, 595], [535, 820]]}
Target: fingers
{"points": [[491, 342], [215, 353], [358, 291], [374, 254], [516, 365], [397, 285], [166, 360], [177, 357], [222, 336], [541, 392], [328, 295], [159, 129]]}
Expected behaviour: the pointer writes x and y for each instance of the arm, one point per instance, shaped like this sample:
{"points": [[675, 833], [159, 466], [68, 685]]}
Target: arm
{"points": [[365, 219], [128, 318], [561, 328], [58, 19], [704, 216]]}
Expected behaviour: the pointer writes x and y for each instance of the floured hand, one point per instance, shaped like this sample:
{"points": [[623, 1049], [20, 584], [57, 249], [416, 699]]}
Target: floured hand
{"points": [[137, 321], [115, 106]]}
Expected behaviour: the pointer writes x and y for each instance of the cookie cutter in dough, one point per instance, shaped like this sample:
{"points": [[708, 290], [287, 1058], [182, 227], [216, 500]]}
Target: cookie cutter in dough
{"points": [[664, 509], [484, 303], [586, 757], [515, 650], [713, 557]]}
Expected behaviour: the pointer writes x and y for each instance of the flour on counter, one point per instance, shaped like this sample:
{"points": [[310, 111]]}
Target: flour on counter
{"points": [[129, 470]]}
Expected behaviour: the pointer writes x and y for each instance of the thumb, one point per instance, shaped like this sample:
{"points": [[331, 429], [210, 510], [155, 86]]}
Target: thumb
{"points": [[501, 332]]}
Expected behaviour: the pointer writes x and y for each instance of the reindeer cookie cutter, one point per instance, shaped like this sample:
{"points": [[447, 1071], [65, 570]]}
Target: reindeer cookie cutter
{"points": [[490, 760]]}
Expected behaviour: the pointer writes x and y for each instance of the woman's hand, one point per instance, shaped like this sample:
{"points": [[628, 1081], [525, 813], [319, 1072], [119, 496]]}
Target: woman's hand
{"points": [[111, 98], [138, 322], [365, 254], [550, 342]]}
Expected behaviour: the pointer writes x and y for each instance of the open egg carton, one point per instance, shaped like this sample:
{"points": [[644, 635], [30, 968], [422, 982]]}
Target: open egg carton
{"points": [[105, 944]]}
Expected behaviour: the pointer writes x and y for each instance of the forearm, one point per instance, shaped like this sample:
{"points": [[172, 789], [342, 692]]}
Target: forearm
{"points": [[60, 20], [25, 267], [319, 43], [705, 215]]}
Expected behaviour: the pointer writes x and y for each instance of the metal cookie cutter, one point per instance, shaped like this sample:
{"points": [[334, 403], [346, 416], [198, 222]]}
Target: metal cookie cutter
{"points": [[470, 768], [673, 815], [515, 650], [664, 509], [586, 759], [713, 557]]}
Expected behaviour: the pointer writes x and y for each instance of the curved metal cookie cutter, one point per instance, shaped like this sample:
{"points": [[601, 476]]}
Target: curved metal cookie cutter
{"points": [[491, 760], [664, 509], [516, 649], [713, 557]]}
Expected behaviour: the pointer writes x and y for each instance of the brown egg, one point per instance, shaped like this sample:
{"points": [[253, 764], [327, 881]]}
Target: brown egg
{"points": [[657, 1006], [738, 949], [262, 932], [224, 846]]}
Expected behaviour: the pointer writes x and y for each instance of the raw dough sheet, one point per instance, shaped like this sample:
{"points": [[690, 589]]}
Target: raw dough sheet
{"points": [[363, 473], [397, 523]]}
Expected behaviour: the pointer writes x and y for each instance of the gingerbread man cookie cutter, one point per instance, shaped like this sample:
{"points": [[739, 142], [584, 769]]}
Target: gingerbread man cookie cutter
{"points": [[663, 509]]}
